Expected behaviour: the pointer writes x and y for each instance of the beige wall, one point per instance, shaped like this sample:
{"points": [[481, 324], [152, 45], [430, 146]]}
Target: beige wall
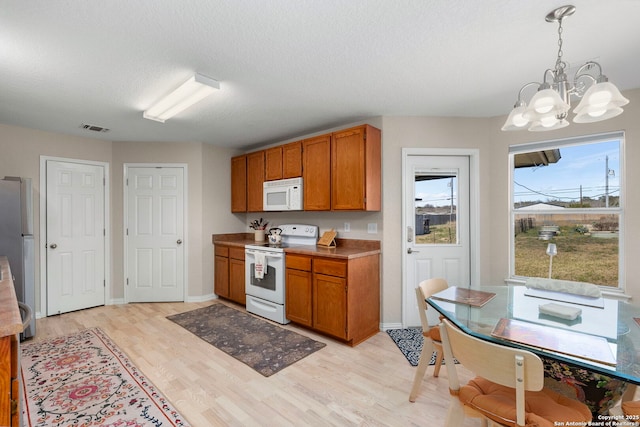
{"points": [[499, 176], [209, 191], [20, 151]]}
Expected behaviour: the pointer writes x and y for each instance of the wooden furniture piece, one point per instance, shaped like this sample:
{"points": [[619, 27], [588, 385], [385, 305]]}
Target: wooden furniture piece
{"points": [[255, 179], [508, 381], [229, 280], [316, 173], [356, 169], [10, 327], [292, 160], [337, 297], [239, 184], [340, 171], [431, 334], [283, 161]]}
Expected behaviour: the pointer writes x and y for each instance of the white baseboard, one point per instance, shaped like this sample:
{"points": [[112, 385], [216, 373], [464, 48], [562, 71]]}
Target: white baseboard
{"points": [[201, 298], [116, 301], [385, 326]]}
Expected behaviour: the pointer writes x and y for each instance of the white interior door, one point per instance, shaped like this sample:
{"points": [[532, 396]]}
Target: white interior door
{"points": [[75, 236], [437, 235], [155, 255]]}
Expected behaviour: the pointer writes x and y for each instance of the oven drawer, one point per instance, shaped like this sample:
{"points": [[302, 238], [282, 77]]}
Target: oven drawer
{"points": [[330, 267], [298, 262]]}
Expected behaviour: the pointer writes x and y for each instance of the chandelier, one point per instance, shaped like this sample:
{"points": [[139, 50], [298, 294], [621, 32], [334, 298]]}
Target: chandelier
{"points": [[549, 107]]}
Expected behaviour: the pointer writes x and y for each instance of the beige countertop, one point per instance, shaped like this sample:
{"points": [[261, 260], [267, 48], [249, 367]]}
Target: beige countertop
{"points": [[10, 319], [345, 248]]}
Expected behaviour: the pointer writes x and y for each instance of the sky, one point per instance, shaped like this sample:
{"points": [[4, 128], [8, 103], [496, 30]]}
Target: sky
{"points": [[580, 165]]}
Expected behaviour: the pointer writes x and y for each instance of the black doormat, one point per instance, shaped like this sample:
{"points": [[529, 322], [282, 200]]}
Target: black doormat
{"points": [[264, 346], [409, 341]]}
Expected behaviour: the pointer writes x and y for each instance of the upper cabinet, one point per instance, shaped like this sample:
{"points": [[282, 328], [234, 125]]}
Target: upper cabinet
{"points": [[341, 171], [283, 161], [255, 179], [292, 160], [239, 184], [316, 173], [273, 163], [355, 169]]}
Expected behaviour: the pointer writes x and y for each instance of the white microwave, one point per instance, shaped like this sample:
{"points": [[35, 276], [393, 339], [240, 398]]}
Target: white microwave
{"points": [[283, 195]]}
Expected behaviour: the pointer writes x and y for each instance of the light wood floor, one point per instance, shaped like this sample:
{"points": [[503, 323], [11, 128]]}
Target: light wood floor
{"points": [[337, 386]]}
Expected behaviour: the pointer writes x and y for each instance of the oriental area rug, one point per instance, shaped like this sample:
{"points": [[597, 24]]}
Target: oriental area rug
{"points": [[258, 343], [84, 379], [409, 341]]}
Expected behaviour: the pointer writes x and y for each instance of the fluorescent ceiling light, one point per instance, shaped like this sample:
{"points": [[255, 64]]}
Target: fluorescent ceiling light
{"points": [[190, 92]]}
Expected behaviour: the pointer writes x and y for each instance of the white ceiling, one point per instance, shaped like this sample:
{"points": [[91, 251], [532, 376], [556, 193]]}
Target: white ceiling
{"points": [[289, 67]]}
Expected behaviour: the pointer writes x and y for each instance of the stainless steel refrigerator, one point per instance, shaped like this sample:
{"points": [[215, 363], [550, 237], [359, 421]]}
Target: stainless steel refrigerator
{"points": [[16, 240]]}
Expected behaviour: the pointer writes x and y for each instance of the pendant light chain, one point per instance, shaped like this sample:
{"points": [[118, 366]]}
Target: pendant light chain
{"points": [[560, 64]]}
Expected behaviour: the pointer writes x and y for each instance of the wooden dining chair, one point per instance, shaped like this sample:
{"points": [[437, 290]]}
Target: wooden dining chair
{"points": [[509, 387], [430, 334]]}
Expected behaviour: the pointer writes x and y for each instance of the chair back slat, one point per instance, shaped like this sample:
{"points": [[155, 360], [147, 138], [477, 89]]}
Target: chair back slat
{"points": [[494, 362]]}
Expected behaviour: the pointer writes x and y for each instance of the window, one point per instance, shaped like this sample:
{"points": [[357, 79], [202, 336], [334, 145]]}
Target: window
{"points": [[436, 207], [567, 207]]}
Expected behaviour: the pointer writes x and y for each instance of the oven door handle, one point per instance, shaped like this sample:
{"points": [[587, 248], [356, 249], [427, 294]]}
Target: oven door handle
{"points": [[266, 254]]}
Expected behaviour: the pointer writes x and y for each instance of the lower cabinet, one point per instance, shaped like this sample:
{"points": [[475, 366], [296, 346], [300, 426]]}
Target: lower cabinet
{"points": [[337, 297], [229, 277], [298, 289]]}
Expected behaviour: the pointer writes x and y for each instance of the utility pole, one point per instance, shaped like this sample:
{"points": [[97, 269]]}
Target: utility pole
{"points": [[606, 181]]}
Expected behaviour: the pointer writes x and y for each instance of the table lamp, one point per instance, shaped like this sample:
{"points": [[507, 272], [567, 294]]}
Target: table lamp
{"points": [[552, 251]]}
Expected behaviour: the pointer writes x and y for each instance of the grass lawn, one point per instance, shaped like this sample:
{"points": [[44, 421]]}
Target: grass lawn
{"points": [[581, 258]]}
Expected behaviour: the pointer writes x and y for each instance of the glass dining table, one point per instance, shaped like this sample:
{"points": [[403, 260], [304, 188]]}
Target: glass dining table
{"points": [[600, 346]]}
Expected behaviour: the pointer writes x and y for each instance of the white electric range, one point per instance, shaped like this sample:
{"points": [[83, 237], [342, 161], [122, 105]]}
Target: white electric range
{"points": [[266, 295]]}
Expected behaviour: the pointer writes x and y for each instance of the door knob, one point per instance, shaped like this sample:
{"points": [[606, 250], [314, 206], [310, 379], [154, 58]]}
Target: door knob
{"points": [[411, 251], [179, 241], [53, 246]]}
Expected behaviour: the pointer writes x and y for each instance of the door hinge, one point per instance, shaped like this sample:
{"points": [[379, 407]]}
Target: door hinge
{"points": [[104, 231], [127, 281], [127, 181], [127, 231], [14, 406], [104, 283], [104, 182]]}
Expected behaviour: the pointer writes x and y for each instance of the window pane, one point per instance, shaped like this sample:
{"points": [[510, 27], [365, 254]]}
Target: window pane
{"points": [[577, 176], [587, 247], [436, 206]]}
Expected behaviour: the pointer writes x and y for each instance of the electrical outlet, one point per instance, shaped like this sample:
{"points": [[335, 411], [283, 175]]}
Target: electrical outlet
{"points": [[372, 227], [347, 227]]}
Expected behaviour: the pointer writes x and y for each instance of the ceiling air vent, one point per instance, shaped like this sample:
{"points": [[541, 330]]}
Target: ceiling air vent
{"points": [[94, 128]]}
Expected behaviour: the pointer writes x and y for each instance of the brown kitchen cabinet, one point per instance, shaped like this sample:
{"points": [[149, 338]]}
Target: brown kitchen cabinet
{"points": [[255, 179], [292, 160], [229, 277], [298, 289], [239, 184], [316, 173], [10, 327], [273, 163], [337, 297], [356, 169]]}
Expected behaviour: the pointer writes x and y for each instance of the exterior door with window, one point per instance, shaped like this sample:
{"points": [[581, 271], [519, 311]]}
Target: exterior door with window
{"points": [[437, 234], [155, 254]]}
